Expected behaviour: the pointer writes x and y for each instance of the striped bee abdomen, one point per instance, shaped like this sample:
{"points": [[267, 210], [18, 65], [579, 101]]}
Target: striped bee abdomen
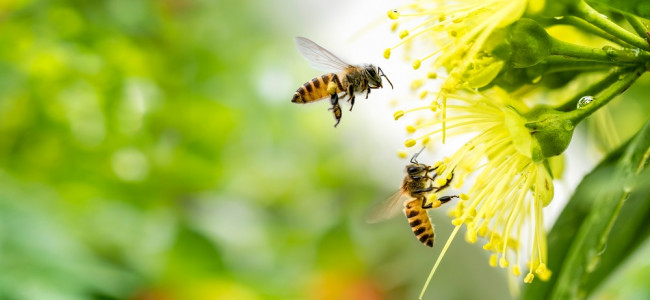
{"points": [[419, 220], [315, 89]]}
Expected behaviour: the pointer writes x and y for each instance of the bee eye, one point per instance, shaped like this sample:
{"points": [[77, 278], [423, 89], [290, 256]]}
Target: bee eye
{"points": [[413, 170]]}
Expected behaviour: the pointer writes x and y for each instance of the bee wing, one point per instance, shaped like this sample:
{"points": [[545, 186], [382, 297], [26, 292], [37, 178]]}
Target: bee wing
{"points": [[386, 209], [319, 57]]}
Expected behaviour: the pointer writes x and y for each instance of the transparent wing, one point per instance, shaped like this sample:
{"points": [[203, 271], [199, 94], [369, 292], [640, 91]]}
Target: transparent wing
{"points": [[387, 209], [319, 57]]}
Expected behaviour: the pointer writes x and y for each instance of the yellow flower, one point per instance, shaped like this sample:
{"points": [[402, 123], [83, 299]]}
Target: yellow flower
{"points": [[457, 34], [509, 189]]}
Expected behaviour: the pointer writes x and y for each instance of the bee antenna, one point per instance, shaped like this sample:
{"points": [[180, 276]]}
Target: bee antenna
{"points": [[382, 74], [415, 156]]}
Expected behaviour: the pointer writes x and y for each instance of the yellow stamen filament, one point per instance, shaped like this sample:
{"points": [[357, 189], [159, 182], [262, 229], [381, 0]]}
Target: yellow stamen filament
{"points": [[435, 266]]}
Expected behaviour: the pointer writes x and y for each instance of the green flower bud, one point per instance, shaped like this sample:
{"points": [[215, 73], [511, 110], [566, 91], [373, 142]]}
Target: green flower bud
{"points": [[530, 43], [551, 132]]}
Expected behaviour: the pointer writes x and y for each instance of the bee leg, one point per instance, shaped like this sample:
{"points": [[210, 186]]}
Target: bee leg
{"points": [[446, 184], [351, 99], [445, 199], [368, 92], [336, 108], [424, 198], [426, 204]]}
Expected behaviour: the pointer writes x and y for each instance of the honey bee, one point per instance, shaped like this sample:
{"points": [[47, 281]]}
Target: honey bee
{"points": [[343, 80], [416, 186]]}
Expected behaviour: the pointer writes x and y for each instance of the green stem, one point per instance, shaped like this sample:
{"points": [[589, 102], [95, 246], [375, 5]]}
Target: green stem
{"points": [[572, 50], [618, 87], [570, 104], [638, 25], [587, 27], [607, 54], [586, 12], [556, 64]]}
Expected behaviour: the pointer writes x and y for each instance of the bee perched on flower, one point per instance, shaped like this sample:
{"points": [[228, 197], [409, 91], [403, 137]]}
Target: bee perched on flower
{"points": [[490, 66], [510, 187]]}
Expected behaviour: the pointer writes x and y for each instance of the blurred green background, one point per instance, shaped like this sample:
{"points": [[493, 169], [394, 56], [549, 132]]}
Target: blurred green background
{"points": [[148, 150]]}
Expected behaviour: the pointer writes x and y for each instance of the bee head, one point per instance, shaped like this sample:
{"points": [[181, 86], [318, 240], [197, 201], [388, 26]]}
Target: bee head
{"points": [[415, 169], [374, 75]]}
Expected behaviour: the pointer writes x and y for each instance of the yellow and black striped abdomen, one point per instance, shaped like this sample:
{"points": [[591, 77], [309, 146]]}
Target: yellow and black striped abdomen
{"points": [[315, 89], [419, 220]]}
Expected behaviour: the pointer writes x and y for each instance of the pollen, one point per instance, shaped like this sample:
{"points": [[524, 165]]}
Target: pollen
{"points": [[545, 276], [529, 278], [432, 75], [416, 64], [410, 129], [457, 222], [409, 143], [426, 140], [463, 196], [470, 236], [493, 260], [393, 14], [436, 203], [434, 106], [416, 84], [482, 231], [387, 53], [402, 154], [488, 246], [424, 94], [516, 271], [541, 269], [331, 88], [393, 27], [404, 33], [503, 263], [398, 114], [441, 181]]}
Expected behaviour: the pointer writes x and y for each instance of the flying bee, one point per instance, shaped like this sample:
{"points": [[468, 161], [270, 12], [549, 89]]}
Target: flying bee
{"points": [[342, 80], [416, 186]]}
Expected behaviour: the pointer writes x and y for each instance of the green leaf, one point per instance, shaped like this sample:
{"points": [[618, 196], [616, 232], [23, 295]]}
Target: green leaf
{"points": [[629, 232], [639, 8], [580, 253]]}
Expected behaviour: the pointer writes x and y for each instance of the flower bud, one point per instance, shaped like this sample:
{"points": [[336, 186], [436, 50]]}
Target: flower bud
{"points": [[550, 131], [530, 43]]}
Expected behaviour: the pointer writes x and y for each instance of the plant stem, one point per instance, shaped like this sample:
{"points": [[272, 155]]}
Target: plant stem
{"points": [[559, 47], [618, 87], [607, 54], [587, 27], [570, 104], [586, 12], [556, 64], [638, 25]]}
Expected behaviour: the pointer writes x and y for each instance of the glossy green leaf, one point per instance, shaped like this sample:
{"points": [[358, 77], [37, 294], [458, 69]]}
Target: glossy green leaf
{"points": [[580, 252]]}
